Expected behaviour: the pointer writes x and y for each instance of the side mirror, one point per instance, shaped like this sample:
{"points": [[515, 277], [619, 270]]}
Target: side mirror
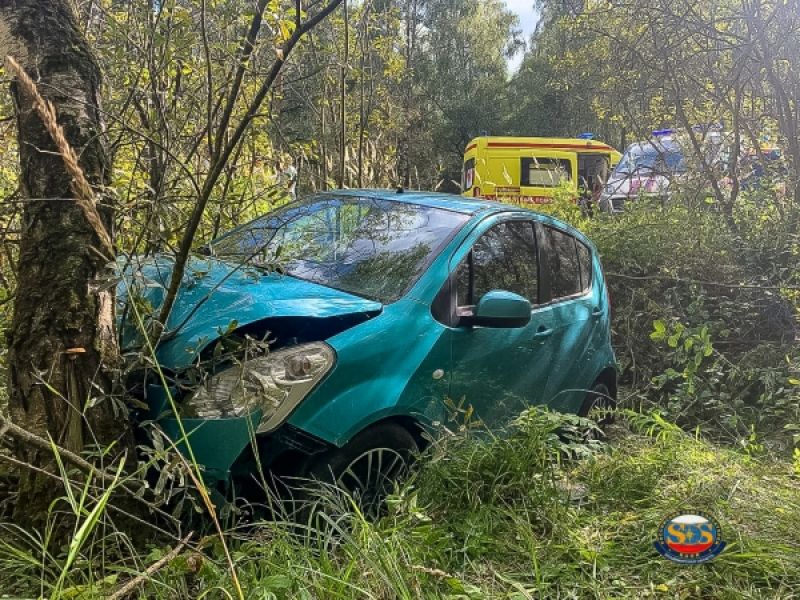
{"points": [[500, 309]]}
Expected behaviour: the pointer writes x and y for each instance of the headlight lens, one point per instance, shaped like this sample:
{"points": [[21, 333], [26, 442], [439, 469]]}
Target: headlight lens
{"points": [[275, 384]]}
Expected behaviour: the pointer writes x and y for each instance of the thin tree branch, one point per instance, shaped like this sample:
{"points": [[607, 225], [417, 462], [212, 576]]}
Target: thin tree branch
{"points": [[31, 439], [245, 52], [220, 161]]}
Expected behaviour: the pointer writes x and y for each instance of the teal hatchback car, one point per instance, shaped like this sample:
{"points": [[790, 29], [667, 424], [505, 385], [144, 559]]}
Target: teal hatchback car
{"points": [[325, 337]]}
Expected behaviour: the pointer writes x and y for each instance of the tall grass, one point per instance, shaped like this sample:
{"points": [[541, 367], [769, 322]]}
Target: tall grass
{"points": [[532, 514]]}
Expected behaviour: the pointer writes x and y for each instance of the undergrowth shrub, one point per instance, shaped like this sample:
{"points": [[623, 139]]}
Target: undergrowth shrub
{"points": [[704, 319]]}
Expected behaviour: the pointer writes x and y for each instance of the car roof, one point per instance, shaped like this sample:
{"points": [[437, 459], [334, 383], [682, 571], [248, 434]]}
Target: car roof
{"points": [[452, 202]]}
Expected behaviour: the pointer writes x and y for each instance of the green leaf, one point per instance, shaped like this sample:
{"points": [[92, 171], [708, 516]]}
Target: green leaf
{"points": [[659, 331]]}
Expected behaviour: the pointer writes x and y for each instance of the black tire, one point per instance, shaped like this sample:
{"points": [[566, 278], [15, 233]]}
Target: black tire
{"points": [[369, 466], [599, 399]]}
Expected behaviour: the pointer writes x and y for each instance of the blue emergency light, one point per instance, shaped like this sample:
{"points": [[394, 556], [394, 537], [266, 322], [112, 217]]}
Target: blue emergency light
{"points": [[662, 132], [587, 135]]}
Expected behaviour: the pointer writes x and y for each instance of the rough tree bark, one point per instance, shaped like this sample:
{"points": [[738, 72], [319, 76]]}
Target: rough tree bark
{"points": [[61, 340]]}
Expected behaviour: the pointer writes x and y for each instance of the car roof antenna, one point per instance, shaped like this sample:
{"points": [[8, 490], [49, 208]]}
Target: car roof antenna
{"points": [[399, 189]]}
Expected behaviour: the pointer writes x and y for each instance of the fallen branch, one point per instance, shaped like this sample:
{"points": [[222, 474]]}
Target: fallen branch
{"points": [[31, 439], [80, 487], [730, 286], [140, 579]]}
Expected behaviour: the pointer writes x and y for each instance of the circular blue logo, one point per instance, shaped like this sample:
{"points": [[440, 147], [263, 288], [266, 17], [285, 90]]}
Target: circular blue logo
{"points": [[689, 538]]}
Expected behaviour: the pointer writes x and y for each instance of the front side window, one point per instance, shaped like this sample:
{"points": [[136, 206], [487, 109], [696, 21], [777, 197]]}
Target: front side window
{"points": [[365, 246], [545, 171], [504, 258], [563, 266]]}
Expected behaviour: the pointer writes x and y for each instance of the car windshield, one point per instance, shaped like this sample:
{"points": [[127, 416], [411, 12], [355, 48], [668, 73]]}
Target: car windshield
{"points": [[365, 246], [648, 157]]}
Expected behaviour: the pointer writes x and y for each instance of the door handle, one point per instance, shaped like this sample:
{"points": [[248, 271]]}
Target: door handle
{"points": [[542, 332]]}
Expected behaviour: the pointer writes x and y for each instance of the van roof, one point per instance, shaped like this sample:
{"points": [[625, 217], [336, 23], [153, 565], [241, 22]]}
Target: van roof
{"points": [[553, 143]]}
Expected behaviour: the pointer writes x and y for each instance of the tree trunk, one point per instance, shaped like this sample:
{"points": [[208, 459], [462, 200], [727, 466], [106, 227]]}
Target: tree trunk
{"points": [[343, 98], [61, 341]]}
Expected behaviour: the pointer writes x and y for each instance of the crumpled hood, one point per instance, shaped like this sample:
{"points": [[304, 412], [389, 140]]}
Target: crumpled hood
{"points": [[216, 297]]}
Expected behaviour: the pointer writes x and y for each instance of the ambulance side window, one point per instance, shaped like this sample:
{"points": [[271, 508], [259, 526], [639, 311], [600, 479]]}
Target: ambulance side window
{"points": [[468, 176], [544, 171]]}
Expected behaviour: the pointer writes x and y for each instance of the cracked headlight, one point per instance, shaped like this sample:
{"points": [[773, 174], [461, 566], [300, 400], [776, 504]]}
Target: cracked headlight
{"points": [[274, 384]]}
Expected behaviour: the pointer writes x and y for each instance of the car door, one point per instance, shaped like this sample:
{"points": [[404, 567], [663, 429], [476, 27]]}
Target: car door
{"points": [[576, 312], [498, 372]]}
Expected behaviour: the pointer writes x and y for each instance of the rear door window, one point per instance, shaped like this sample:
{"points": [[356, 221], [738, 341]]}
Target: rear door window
{"points": [[585, 263]]}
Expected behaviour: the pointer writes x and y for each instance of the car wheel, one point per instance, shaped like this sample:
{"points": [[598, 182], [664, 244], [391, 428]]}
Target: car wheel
{"points": [[599, 400], [369, 466]]}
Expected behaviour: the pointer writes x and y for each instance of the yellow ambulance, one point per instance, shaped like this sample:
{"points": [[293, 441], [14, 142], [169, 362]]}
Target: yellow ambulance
{"points": [[529, 170]]}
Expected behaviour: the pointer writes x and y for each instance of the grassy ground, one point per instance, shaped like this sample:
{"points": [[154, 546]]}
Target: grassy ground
{"points": [[531, 515]]}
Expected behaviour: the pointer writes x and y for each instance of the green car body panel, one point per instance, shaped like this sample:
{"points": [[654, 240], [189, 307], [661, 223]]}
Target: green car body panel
{"points": [[399, 359]]}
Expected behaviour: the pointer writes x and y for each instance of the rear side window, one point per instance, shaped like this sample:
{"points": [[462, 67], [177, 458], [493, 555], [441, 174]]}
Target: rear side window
{"points": [[563, 266], [585, 264]]}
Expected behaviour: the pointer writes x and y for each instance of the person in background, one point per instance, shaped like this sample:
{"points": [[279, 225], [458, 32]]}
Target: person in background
{"points": [[287, 175], [599, 177]]}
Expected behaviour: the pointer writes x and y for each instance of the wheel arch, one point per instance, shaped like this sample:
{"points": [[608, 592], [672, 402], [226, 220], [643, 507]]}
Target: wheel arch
{"points": [[608, 376], [415, 427]]}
